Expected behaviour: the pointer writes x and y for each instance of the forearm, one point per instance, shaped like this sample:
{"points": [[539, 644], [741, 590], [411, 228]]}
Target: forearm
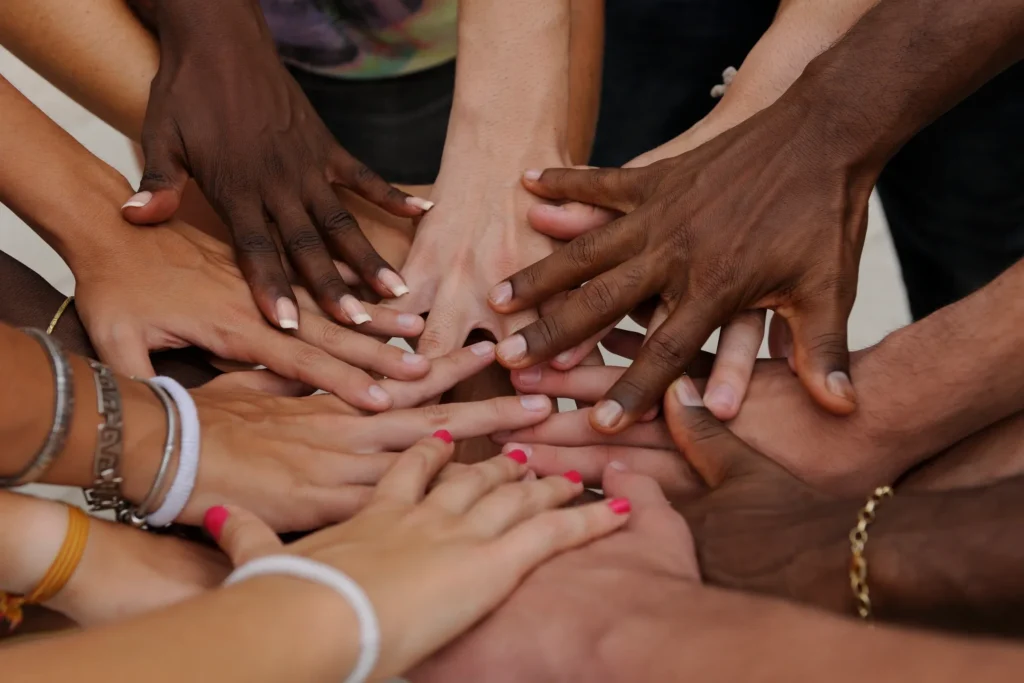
{"points": [[586, 58], [929, 385], [223, 636], [753, 639]]}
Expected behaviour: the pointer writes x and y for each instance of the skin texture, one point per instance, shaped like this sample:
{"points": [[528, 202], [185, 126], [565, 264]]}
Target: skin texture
{"points": [[482, 529]]}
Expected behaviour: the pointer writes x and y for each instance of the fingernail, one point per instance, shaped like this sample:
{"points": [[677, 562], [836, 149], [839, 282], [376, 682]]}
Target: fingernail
{"points": [[213, 520], [535, 403], [551, 207], [138, 200], [419, 203], [287, 314], [378, 395], [687, 393], [722, 398], [574, 476], [444, 435], [393, 282], [409, 321], [651, 413], [518, 456], [525, 448], [529, 375], [565, 357], [620, 506], [413, 359], [484, 348], [839, 384], [354, 310], [513, 349], [620, 466], [608, 413], [532, 174], [501, 293], [530, 476]]}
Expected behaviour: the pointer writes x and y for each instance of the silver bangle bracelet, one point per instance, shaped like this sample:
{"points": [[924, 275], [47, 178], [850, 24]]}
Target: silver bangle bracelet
{"points": [[64, 407], [136, 515], [105, 493]]}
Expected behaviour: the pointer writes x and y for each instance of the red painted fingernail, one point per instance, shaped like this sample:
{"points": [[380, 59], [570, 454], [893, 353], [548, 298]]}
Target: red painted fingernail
{"points": [[620, 506], [518, 456], [574, 476], [444, 435], [213, 520]]}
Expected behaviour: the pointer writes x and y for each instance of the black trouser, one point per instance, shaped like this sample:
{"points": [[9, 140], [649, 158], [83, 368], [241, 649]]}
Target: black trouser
{"points": [[953, 196]]}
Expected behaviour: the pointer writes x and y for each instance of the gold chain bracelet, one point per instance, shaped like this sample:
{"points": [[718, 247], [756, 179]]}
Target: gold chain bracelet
{"points": [[858, 540], [60, 311]]}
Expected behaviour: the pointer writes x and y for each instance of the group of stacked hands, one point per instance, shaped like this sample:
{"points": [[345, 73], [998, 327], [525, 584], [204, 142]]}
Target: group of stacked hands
{"points": [[711, 231]]}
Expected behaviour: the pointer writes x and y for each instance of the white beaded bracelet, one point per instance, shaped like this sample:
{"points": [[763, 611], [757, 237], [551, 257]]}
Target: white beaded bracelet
{"points": [[317, 572], [188, 455]]}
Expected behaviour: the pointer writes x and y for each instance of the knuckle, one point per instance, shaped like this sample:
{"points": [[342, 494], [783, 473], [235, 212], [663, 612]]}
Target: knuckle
{"points": [[582, 251], [437, 415], [340, 224], [665, 352], [334, 336], [303, 241], [599, 297], [254, 243], [548, 331], [363, 174], [309, 356]]}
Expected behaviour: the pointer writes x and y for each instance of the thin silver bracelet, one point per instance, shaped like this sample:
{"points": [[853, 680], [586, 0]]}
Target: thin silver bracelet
{"points": [[136, 515], [105, 493], [64, 408]]}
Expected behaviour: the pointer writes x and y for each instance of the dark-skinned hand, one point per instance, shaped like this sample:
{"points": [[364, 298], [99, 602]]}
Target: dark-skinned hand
{"points": [[761, 217], [225, 111]]}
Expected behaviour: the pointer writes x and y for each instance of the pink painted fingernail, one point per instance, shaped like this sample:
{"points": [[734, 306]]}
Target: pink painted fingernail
{"points": [[484, 348], [214, 519], [420, 203], [532, 174], [513, 349], [608, 413], [529, 375], [501, 293], [687, 393], [574, 476], [620, 506], [535, 403], [444, 435], [518, 456], [393, 281], [138, 200], [524, 448], [287, 314], [378, 395], [413, 359], [354, 310]]}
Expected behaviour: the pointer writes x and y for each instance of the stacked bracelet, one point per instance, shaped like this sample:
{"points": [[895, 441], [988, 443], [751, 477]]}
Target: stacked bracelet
{"points": [[136, 515], [188, 460], [105, 493], [63, 408], [310, 570]]}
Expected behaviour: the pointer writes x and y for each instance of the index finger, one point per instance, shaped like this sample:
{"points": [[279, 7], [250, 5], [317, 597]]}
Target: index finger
{"points": [[622, 189]]}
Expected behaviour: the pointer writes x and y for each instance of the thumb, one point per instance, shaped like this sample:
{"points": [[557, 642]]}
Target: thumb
{"points": [[821, 356], [568, 221], [613, 188], [163, 181], [124, 349], [240, 534], [716, 453]]}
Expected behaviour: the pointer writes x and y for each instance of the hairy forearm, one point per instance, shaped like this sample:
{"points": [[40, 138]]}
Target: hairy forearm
{"points": [[710, 634], [223, 636]]}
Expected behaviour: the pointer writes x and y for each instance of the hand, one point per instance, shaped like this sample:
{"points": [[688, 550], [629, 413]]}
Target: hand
{"points": [[302, 463], [553, 627], [434, 563], [714, 234], [225, 111], [173, 286]]}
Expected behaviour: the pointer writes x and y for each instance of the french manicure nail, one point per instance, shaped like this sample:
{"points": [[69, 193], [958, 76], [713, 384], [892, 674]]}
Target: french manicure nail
{"points": [[518, 456], [393, 281], [214, 519], [565, 357], [484, 348], [529, 375], [721, 397], [413, 358], [444, 435], [687, 393], [354, 310], [620, 506], [409, 321], [608, 413], [419, 203], [287, 314], [378, 395], [535, 403], [838, 382], [138, 200], [501, 293], [532, 174], [619, 466], [513, 349], [574, 476]]}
